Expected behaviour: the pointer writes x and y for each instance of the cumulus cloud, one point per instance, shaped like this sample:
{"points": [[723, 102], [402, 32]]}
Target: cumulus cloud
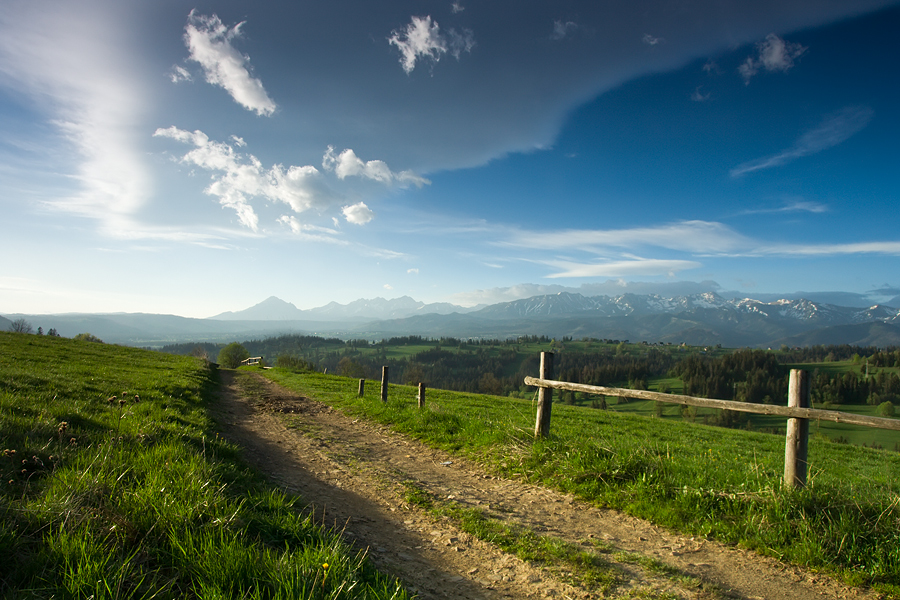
{"points": [[412, 271], [456, 7], [209, 42], [388, 286], [347, 164], [833, 130], [422, 39], [773, 54], [358, 214], [563, 29], [238, 178]]}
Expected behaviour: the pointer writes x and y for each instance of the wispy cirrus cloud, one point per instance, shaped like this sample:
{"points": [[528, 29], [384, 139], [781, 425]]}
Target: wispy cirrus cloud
{"points": [[179, 74], [209, 42], [687, 236], [646, 267], [310, 232], [795, 206], [773, 54], [887, 247], [422, 39], [563, 29], [835, 129], [616, 250], [58, 55]]}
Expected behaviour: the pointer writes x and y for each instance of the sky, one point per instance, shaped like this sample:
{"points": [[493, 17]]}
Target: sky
{"points": [[195, 158]]}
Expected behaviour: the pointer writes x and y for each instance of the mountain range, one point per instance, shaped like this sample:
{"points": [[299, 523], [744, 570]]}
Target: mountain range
{"points": [[697, 319]]}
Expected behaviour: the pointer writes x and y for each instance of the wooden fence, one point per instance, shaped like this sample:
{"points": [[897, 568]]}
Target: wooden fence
{"points": [[798, 412]]}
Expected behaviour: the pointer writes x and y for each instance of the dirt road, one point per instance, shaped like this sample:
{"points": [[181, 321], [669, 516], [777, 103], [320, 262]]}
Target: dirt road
{"points": [[355, 473]]}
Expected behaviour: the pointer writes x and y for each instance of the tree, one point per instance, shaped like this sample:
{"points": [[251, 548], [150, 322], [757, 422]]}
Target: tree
{"points": [[231, 355], [88, 337], [20, 326], [886, 409]]}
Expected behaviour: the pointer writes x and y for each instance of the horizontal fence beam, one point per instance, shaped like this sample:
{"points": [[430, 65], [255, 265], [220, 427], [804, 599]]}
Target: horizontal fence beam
{"points": [[759, 409]]}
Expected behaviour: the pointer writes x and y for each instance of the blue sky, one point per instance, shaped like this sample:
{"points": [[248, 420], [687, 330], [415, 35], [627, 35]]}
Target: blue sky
{"points": [[193, 158]]}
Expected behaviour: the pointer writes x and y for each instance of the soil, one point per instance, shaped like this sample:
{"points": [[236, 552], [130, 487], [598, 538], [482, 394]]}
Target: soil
{"points": [[353, 473]]}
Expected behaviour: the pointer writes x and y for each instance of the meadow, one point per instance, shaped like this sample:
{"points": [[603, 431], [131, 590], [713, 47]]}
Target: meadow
{"points": [[704, 481], [115, 484]]}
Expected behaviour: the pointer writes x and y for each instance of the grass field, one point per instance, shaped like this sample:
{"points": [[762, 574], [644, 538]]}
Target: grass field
{"points": [[114, 484], [826, 430], [701, 480]]}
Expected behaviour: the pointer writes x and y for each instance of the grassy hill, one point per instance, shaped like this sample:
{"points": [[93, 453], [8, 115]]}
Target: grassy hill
{"points": [[702, 480], [114, 484]]}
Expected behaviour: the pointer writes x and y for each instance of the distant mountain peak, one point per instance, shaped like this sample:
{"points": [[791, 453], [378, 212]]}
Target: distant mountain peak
{"points": [[270, 309]]}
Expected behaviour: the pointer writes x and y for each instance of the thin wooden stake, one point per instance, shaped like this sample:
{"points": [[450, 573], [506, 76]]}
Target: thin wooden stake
{"points": [[797, 440], [545, 398], [421, 395], [384, 383], [362, 388]]}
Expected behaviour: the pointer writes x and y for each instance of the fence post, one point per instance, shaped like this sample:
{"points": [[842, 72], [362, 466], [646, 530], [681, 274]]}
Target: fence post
{"points": [[421, 395], [797, 439], [384, 383], [362, 388], [545, 398]]}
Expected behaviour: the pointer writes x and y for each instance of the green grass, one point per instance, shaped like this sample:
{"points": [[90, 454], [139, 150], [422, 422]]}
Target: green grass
{"points": [[700, 480], [136, 496]]}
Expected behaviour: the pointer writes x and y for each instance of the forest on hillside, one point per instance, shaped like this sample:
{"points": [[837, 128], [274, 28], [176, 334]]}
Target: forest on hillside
{"points": [[840, 374]]}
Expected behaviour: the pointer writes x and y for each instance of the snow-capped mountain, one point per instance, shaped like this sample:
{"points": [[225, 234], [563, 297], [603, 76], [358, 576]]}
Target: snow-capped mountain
{"points": [[568, 304]]}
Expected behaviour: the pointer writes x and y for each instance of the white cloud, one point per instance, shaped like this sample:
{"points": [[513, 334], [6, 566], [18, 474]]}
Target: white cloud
{"points": [[699, 96], [412, 271], [421, 39], [831, 132], [888, 248], [687, 236], [456, 7], [651, 41], [621, 268], [388, 286], [790, 207], [209, 42], [347, 164], [310, 232], [179, 74], [75, 66], [241, 177], [358, 214], [562, 30], [774, 54]]}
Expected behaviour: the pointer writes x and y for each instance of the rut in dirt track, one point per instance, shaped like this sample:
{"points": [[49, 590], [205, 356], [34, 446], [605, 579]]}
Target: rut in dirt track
{"points": [[353, 472]]}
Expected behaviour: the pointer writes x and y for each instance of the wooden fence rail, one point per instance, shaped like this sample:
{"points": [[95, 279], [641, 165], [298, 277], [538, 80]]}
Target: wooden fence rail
{"points": [[797, 412]]}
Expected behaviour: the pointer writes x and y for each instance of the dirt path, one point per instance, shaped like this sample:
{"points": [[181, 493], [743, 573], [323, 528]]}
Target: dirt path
{"points": [[353, 472]]}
